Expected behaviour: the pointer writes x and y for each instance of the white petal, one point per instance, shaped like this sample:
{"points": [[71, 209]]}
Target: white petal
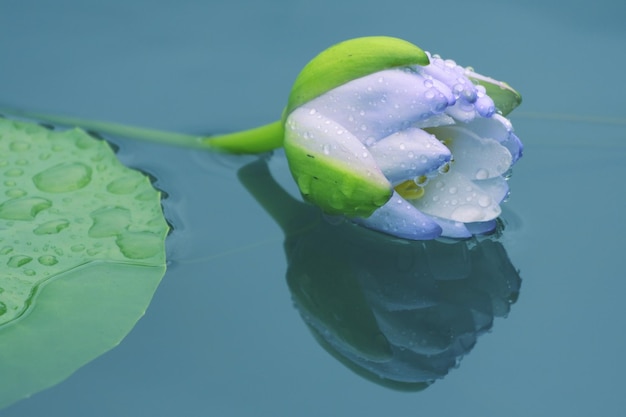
{"points": [[496, 127], [315, 133], [408, 154], [379, 104], [515, 146], [497, 188], [452, 196], [452, 75], [399, 218], [453, 229], [435, 121], [499, 128], [485, 106], [474, 156], [462, 111]]}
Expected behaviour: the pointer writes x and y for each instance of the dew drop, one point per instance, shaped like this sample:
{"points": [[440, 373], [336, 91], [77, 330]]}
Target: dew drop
{"points": [[25, 208], [15, 193], [6, 250], [147, 195], [124, 185], [484, 201], [77, 248], [19, 146], [304, 183], [48, 260], [84, 142], [14, 172], [29, 272], [482, 174], [109, 221], [17, 261], [326, 149], [51, 227], [64, 177], [444, 168]]}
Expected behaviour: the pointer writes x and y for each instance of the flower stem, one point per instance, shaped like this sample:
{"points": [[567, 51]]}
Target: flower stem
{"points": [[252, 141], [258, 140]]}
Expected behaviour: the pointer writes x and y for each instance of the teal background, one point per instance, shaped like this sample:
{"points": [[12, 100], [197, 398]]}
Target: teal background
{"points": [[222, 336]]}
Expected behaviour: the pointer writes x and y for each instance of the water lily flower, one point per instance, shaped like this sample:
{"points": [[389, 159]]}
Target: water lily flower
{"points": [[428, 138], [385, 134]]}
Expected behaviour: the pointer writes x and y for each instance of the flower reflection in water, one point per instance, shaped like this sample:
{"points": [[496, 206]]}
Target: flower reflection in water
{"points": [[399, 313]]}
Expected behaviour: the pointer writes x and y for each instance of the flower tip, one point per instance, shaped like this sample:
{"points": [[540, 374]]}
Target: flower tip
{"points": [[505, 97]]}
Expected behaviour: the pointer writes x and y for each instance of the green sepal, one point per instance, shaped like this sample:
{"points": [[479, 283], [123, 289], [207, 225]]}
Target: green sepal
{"points": [[348, 61], [505, 98], [336, 186]]}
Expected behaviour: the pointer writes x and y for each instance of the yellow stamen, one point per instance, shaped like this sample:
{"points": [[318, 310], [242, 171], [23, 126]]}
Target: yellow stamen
{"points": [[409, 190]]}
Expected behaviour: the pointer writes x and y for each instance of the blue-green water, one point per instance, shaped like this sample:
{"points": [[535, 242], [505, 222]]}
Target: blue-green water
{"points": [[222, 335]]}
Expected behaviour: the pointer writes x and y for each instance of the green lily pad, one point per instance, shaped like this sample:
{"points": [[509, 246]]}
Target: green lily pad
{"points": [[81, 253]]}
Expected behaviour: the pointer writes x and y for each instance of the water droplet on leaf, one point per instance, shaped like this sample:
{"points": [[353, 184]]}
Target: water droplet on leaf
{"points": [[48, 260], [51, 227], [64, 177], [17, 261], [25, 208], [139, 245], [109, 221]]}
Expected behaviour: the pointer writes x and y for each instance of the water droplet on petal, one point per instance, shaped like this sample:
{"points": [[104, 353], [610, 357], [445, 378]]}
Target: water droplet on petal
{"points": [[484, 201], [482, 174]]}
